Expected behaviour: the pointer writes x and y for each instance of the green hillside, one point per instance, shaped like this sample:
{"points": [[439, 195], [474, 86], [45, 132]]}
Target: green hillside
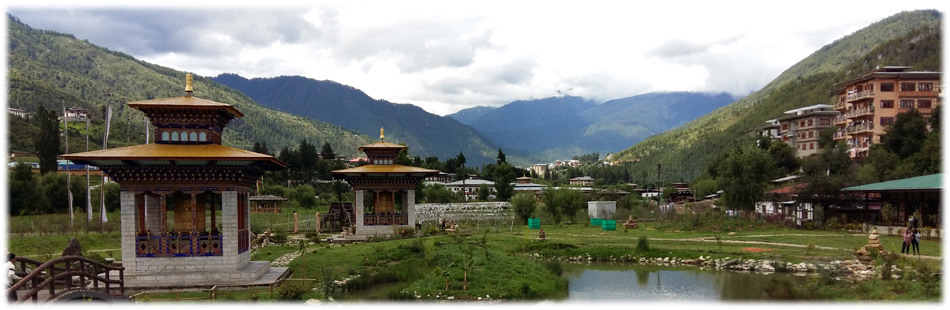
{"points": [[44, 66], [907, 38]]}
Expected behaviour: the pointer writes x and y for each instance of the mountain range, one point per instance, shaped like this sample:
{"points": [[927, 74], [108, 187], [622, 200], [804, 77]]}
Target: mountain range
{"points": [[563, 127]]}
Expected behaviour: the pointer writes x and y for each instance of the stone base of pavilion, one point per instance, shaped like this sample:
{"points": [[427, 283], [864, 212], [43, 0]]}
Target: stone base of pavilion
{"points": [[253, 274]]}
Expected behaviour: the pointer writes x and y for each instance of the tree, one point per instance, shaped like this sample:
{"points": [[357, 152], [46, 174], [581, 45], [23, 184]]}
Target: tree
{"points": [[524, 205], [339, 188], [784, 157], [906, 136], [24, 193], [504, 177], [437, 193], [744, 175], [501, 157], [483, 192], [572, 201], [327, 152], [468, 263], [260, 147], [46, 143], [551, 204]]}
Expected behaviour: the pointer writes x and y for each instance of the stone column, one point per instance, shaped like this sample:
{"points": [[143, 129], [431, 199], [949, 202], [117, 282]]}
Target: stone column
{"points": [[318, 222], [229, 227], [127, 224], [409, 205], [358, 209], [296, 231]]}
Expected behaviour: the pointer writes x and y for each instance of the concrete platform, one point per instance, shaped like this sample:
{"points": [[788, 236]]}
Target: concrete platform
{"points": [[255, 273]]}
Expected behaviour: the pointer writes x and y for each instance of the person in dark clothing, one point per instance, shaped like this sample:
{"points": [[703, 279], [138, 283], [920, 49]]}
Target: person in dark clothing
{"points": [[11, 276], [915, 242]]}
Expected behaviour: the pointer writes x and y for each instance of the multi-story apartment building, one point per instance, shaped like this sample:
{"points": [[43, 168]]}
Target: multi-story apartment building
{"points": [[870, 102], [801, 127]]}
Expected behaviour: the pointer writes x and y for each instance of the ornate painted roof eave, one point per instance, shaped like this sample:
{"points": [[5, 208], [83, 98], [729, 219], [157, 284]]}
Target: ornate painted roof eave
{"points": [[382, 170], [382, 145], [184, 102], [176, 154]]}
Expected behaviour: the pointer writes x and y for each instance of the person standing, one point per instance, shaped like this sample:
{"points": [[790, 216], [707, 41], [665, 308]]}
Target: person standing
{"points": [[915, 242], [11, 276], [907, 236]]}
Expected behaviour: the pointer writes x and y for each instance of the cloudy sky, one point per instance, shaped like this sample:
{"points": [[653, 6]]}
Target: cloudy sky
{"points": [[445, 57]]}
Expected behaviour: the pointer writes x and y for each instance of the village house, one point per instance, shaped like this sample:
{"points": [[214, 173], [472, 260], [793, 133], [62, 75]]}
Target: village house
{"points": [[19, 113], [801, 127], [582, 181], [469, 188], [869, 103]]}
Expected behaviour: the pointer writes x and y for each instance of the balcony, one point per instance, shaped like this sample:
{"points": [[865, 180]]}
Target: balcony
{"points": [[841, 134], [841, 119], [841, 105], [860, 112], [866, 127], [867, 94]]}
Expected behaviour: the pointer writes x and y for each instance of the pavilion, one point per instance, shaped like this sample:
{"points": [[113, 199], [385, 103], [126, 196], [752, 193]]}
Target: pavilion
{"points": [[390, 185], [174, 190]]}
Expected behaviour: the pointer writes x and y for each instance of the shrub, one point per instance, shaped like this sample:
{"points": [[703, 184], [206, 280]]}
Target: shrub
{"points": [[279, 236], [291, 291], [643, 244], [780, 289], [554, 266]]}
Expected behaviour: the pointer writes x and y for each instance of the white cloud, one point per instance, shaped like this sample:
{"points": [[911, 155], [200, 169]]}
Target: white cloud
{"points": [[448, 56]]}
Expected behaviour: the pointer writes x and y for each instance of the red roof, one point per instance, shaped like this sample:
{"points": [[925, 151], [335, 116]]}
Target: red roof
{"points": [[793, 189]]}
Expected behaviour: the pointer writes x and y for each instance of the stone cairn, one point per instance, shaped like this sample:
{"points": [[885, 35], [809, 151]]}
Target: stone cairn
{"points": [[864, 253], [541, 234], [631, 223]]}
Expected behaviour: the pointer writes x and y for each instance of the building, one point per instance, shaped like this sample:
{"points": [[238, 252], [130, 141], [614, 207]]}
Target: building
{"points": [[870, 102], [76, 113], [801, 127], [539, 169], [919, 194], [442, 178], [189, 174], [583, 181], [469, 188], [770, 130], [385, 191], [19, 113]]}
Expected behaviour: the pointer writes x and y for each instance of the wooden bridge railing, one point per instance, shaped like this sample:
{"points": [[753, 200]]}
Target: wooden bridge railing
{"points": [[57, 276]]}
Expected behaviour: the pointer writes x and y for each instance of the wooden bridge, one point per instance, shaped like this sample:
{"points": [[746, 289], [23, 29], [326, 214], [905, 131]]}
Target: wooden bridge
{"points": [[68, 278]]}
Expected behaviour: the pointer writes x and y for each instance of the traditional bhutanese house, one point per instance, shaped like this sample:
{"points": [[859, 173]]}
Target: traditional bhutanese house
{"points": [[391, 189], [783, 201], [184, 199], [907, 196]]}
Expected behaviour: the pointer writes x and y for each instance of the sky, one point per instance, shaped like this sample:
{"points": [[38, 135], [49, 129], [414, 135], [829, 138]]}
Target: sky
{"points": [[446, 56]]}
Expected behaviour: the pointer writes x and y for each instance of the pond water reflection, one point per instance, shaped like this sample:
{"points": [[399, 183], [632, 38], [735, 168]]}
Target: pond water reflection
{"points": [[621, 282]]}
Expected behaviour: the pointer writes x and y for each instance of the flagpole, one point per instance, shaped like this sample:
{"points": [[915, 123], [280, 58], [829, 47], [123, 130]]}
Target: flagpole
{"points": [[69, 191], [105, 145], [88, 198]]}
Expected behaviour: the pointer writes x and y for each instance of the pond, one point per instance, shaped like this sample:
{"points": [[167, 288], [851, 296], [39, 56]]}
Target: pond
{"points": [[618, 282]]}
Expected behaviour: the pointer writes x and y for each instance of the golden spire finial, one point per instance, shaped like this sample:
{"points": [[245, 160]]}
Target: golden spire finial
{"points": [[188, 85], [381, 135]]}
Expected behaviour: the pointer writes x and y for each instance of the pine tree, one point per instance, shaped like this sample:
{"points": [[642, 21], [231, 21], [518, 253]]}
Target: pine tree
{"points": [[46, 143]]}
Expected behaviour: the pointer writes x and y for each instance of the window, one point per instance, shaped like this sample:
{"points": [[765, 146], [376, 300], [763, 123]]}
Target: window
{"points": [[809, 122], [887, 87], [887, 104], [923, 103], [907, 104], [824, 121], [801, 124], [811, 146], [174, 136], [887, 120], [193, 136], [811, 134], [925, 86], [908, 86], [165, 136], [784, 126], [202, 137]]}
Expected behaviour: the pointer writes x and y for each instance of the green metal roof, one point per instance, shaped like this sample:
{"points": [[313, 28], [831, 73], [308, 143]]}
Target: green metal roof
{"points": [[927, 182]]}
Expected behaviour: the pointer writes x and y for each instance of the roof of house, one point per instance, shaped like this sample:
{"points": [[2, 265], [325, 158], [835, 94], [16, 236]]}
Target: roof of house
{"points": [[178, 154], [471, 183], [788, 178], [382, 145], [267, 198], [583, 178], [921, 183], [791, 189], [386, 169], [185, 102]]}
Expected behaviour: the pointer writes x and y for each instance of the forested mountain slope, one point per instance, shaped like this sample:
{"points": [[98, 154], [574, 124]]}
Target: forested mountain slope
{"points": [[907, 38], [46, 65], [425, 133]]}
